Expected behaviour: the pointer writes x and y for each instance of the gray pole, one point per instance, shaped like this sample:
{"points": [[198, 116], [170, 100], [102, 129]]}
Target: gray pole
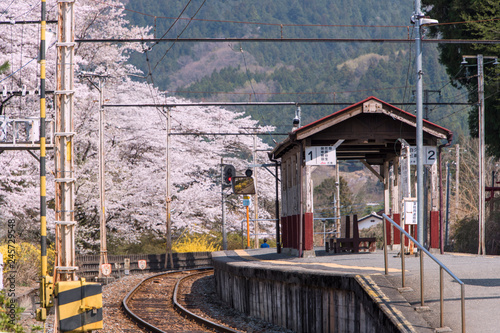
{"points": [[224, 238], [457, 181], [447, 202], [420, 137], [256, 196], [480, 79], [168, 257], [102, 215], [278, 238]]}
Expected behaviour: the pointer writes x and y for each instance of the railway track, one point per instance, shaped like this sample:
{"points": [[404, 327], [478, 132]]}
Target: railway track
{"points": [[162, 303]]}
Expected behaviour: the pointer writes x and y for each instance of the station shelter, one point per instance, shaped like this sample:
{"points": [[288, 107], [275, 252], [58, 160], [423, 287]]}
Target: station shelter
{"points": [[383, 138]]}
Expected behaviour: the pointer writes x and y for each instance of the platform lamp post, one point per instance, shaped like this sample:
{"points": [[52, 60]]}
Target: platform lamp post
{"points": [[482, 151], [419, 20]]}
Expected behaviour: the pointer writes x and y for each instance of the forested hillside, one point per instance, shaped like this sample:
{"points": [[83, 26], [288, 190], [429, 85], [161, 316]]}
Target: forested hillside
{"points": [[298, 72]]}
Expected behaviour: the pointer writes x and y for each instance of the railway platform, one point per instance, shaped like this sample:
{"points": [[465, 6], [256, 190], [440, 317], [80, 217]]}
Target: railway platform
{"points": [[481, 275]]}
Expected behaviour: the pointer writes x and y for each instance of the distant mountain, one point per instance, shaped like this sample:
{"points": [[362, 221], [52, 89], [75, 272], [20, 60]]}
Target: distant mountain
{"points": [[298, 72]]}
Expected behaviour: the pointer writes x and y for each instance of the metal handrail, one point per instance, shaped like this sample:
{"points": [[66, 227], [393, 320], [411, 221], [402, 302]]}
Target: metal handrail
{"points": [[436, 260]]}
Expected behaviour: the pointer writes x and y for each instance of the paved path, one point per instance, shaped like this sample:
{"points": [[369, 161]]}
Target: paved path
{"points": [[481, 275]]}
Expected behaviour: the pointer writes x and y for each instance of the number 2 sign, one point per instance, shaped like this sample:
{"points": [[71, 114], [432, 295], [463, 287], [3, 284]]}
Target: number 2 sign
{"points": [[430, 155]]}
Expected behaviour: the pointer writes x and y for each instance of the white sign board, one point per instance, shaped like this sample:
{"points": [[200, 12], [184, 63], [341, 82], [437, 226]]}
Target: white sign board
{"points": [[321, 155], [430, 155], [142, 264], [405, 172], [410, 211]]}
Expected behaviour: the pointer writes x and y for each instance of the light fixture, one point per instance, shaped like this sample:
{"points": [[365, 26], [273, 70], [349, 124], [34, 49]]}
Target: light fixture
{"points": [[427, 21], [495, 62], [464, 62]]}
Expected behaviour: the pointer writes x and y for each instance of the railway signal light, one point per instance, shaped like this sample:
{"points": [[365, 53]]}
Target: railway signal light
{"points": [[229, 173]]}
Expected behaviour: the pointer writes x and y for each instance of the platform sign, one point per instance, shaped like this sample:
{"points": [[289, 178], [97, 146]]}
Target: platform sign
{"points": [[321, 155], [404, 163], [142, 264], [126, 266], [106, 269], [247, 200], [410, 211], [430, 155]]}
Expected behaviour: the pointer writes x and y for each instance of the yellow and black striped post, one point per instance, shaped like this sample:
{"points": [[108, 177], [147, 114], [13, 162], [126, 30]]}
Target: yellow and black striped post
{"points": [[43, 201]]}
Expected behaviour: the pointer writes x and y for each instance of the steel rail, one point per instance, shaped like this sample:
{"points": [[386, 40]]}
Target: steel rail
{"points": [[178, 307], [183, 311], [436, 260]]}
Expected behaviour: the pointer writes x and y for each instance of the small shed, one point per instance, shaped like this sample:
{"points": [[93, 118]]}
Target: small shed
{"points": [[371, 131]]}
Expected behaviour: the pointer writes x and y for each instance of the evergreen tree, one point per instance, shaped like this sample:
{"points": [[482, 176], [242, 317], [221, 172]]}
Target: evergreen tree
{"points": [[475, 20]]}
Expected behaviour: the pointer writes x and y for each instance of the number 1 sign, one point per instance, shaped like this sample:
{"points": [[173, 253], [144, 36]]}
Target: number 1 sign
{"points": [[321, 155]]}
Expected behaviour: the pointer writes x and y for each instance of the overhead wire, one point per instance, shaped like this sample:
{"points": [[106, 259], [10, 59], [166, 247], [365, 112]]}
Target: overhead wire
{"points": [[5, 10], [172, 25], [187, 25], [251, 85], [299, 25], [29, 11]]}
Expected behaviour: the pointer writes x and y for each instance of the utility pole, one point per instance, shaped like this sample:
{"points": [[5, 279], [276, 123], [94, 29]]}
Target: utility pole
{"points": [[224, 237], [457, 180], [256, 195], [64, 145], [338, 224], [419, 20], [482, 151], [168, 199], [103, 259]]}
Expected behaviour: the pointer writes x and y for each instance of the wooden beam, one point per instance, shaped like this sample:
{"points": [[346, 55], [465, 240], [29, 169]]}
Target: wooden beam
{"points": [[372, 170]]}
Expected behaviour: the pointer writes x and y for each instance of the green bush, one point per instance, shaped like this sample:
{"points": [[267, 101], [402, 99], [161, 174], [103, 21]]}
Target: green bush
{"points": [[10, 315], [465, 236]]}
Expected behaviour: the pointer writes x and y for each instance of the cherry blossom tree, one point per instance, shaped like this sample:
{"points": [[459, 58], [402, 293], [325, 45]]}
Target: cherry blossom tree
{"points": [[135, 138]]}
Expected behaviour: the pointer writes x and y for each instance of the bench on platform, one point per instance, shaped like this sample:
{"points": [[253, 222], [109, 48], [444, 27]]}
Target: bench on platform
{"points": [[354, 244]]}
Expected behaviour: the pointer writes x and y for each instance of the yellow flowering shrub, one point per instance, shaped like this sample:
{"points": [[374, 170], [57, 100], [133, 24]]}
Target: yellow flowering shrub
{"points": [[23, 258], [196, 243]]}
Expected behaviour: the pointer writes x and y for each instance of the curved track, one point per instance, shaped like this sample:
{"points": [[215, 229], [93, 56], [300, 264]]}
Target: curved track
{"points": [[154, 304]]}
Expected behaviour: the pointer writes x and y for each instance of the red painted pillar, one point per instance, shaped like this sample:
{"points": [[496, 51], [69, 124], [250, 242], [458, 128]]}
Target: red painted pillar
{"points": [[434, 229], [347, 226], [397, 234], [388, 228], [307, 236], [355, 234], [284, 231]]}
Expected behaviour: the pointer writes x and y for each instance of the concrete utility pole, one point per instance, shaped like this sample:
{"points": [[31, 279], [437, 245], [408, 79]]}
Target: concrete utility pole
{"points": [[103, 259], [457, 181], [223, 200], [256, 195], [482, 151], [168, 199], [419, 20]]}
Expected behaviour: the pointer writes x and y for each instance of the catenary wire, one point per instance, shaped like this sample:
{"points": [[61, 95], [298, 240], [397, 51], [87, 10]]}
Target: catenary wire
{"points": [[187, 25]]}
